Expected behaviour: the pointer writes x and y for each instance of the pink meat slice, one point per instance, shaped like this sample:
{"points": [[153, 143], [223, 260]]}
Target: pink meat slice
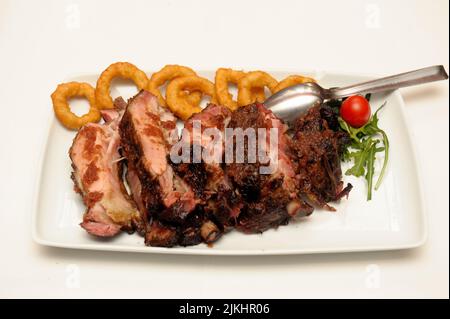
{"points": [[97, 170], [155, 131]]}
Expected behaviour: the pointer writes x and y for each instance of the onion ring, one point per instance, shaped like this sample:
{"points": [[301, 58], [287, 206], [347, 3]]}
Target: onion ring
{"points": [[255, 79], [179, 105], [292, 80], [62, 108], [168, 73], [258, 94], [120, 69], [225, 76]]}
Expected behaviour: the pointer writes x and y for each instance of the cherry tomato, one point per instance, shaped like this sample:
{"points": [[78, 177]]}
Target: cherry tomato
{"points": [[355, 110]]}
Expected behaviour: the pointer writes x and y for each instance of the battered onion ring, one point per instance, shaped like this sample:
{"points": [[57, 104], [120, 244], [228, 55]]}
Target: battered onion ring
{"points": [[120, 69], [258, 94], [62, 109], [225, 76], [292, 80], [255, 79], [168, 73], [178, 104]]}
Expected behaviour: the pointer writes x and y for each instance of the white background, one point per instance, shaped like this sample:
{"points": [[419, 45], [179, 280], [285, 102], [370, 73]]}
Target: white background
{"points": [[43, 42]]}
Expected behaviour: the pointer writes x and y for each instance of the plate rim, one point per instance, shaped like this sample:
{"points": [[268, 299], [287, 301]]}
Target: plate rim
{"points": [[37, 238]]}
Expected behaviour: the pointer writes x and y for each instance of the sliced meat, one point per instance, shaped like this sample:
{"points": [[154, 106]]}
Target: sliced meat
{"points": [[270, 199], [97, 174], [205, 131], [187, 203], [318, 150], [148, 131]]}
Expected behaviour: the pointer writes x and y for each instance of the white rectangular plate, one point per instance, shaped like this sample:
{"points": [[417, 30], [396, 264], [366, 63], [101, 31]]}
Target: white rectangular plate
{"points": [[394, 219]]}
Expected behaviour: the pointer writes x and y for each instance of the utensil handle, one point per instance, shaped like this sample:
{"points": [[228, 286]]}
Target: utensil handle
{"points": [[429, 74]]}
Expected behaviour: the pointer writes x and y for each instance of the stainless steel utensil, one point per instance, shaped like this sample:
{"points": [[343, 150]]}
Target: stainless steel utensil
{"points": [[289, 103]]}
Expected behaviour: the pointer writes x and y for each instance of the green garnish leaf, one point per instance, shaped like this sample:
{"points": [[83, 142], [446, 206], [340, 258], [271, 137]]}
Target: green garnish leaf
{"points": [[370, 169], [363, 148]]}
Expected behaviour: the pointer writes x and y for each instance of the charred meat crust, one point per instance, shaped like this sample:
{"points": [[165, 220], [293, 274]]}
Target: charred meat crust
{"points": [[195, 175], [267, 211], [220, 201], [161, 235], [318, 149], [267, 199], [196, 229]]}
